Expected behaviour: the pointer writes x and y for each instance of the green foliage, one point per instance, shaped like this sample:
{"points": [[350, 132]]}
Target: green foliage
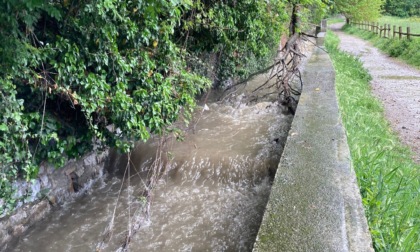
{"points": [[69, 69], [244, 35], [235, 31], [402, 8], [113, 72], [387, 176], [407, 50], [359, 10], [314, 11]]}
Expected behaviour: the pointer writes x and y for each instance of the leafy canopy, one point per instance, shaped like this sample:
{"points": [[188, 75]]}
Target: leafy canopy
{"points": [[402, 8], [359, 10]]}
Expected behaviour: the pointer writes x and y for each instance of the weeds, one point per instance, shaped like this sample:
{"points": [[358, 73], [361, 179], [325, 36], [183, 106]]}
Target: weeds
{"points": [[388, 178]]}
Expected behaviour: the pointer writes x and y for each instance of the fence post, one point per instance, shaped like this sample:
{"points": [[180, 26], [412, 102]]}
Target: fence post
{"points": [[393, 31], [389, 31], [385, 31], [377, 28], [408, 33], [400, 32], [380, 31]]}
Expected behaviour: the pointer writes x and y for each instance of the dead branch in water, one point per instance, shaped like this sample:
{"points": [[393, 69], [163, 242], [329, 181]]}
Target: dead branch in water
{"points": [[284, 71]]}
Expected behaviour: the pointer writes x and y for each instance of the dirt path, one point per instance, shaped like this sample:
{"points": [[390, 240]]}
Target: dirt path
{"points": [[396, 84]]}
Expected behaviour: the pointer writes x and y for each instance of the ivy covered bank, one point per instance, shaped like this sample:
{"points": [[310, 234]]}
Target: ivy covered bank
{"points": [[112, 72]]}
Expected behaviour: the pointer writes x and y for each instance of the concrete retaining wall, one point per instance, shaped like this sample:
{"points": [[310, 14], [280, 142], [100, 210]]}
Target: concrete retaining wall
{"points": [[315, 204]]}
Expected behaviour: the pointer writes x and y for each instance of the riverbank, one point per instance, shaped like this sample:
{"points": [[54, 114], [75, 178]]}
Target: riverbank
{"points": [[50, 190]]}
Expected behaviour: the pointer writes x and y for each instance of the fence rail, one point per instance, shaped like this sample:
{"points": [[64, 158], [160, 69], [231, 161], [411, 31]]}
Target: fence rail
{"points": [[382, 31]]}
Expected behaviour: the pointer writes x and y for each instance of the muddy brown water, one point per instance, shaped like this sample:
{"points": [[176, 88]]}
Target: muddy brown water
{"points": [[210, 198]]}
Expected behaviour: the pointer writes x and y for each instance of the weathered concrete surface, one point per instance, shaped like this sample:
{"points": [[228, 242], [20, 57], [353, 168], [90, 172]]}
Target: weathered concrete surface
{"points": [[315, 203]]}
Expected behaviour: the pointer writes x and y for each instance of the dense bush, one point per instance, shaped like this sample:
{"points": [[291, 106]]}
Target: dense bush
{"points": [[235, 31], [402, 8]]}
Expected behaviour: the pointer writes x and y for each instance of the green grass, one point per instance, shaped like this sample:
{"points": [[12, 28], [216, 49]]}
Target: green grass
{"points": [[412, 22], [334, 20], [406, 50], [389, 180]]}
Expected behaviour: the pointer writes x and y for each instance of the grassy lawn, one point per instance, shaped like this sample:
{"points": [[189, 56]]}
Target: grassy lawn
{"points": [[334, 20], [413, 23], [388, 178]]}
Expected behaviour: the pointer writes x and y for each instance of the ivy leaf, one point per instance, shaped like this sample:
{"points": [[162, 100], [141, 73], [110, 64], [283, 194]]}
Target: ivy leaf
{"points": [[3, 127]]}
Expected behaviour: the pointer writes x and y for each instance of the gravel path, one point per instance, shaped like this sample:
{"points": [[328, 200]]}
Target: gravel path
{"points": [[396, 84]]}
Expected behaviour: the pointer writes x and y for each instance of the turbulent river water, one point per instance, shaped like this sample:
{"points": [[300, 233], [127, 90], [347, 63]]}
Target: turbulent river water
{"points": [[211, 196]]}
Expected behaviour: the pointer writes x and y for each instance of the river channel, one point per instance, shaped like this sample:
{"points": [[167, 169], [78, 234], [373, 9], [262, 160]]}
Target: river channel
{"points": [[211, 196]]}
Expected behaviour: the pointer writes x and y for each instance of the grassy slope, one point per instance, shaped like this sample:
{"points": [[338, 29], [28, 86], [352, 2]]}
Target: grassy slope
{"points": [[388, 178], [407, 50]]}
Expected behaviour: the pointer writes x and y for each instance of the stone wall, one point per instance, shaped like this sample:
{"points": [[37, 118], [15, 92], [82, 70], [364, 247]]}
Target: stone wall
{"points": [[52, 188]]}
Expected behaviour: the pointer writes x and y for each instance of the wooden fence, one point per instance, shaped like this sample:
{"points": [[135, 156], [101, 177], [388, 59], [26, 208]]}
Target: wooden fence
{"points": [[385, 30]]}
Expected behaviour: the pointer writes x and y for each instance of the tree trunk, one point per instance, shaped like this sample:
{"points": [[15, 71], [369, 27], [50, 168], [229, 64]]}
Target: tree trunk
{"points": [[295, 22]]}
